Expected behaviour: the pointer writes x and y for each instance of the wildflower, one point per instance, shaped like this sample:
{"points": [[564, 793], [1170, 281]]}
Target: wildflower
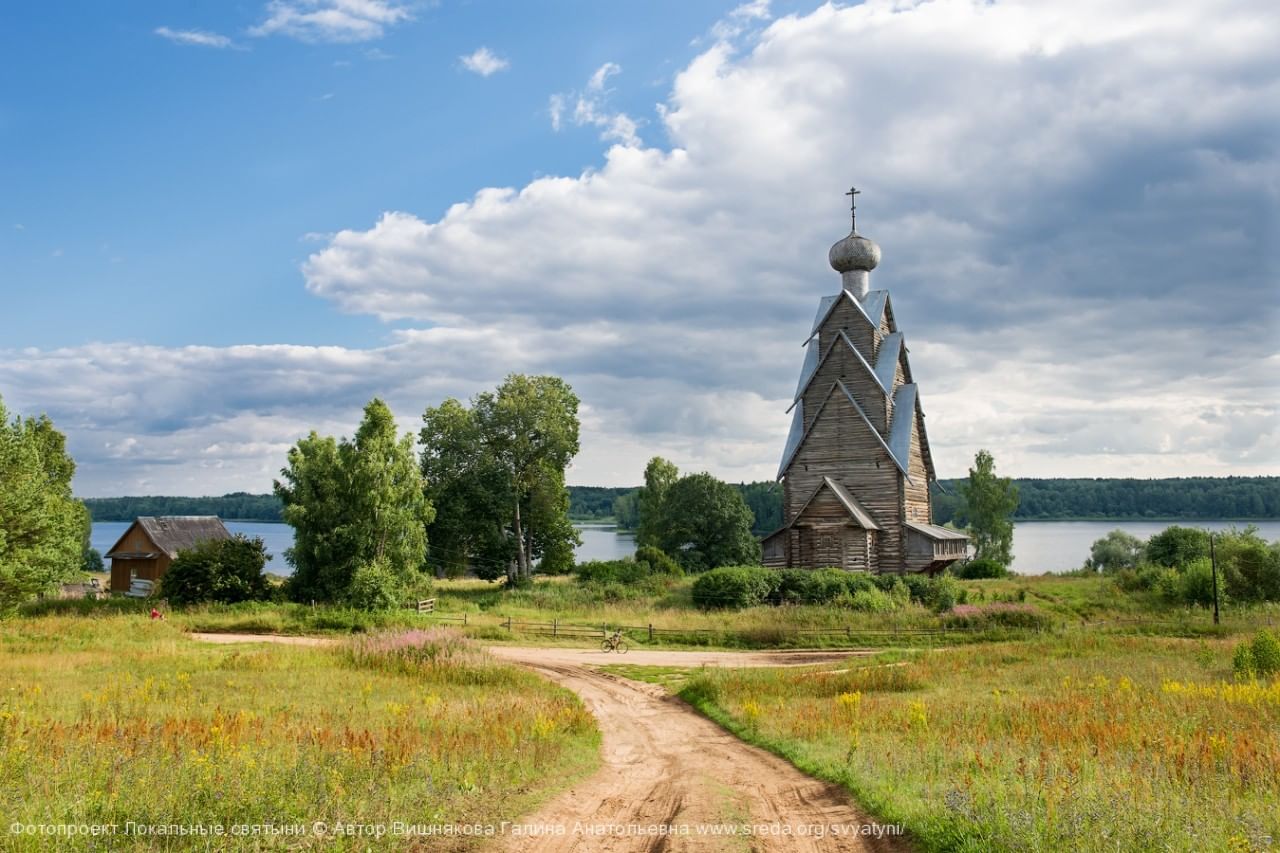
{"points": [[849, 702], [917, 716]]}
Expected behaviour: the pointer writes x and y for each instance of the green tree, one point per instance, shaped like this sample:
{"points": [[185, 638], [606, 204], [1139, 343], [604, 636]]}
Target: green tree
{"points": [[1117, 550], [498, 471], [218, 570], [989, 504], [1249, 565], [354, 504], [704, 523], [626, 510], [1177, 546], [659, 476], [42, 527]]}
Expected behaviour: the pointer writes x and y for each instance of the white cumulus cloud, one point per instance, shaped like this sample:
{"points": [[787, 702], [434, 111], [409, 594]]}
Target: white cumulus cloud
{"points": [[590, 107], [200, 38], [331, 20], [484, 62], [1075, 201]]}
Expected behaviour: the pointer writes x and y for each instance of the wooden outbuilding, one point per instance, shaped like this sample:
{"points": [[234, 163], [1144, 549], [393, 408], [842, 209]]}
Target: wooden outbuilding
{"points": [[147, 548], [856, 468]]}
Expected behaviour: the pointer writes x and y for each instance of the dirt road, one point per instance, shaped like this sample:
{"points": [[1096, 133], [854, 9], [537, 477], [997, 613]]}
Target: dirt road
{"points": [[667, 766]]}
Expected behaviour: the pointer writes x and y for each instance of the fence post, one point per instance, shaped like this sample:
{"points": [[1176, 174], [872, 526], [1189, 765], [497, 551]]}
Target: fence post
{"points": [[651, 632], [508, 623], [555, 624], [848, 634], [464, 619]]}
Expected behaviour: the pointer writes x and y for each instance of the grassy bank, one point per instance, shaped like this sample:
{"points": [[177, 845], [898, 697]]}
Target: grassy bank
{"points": [[1083, 742], [663, 614], [118, 718]]}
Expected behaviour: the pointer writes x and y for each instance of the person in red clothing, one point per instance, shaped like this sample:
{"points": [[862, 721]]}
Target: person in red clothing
{"points": [[156, 614]]}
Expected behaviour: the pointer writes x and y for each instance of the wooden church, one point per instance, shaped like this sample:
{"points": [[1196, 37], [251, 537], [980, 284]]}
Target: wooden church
{"points": [[856, 468]]}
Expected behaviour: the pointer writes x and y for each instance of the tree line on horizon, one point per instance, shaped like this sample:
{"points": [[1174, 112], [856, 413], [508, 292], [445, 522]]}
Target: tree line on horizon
{"points": [[1066, 499]]}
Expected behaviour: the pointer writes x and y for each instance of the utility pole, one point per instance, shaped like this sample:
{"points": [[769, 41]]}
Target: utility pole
{"points": [[1213, 561]]}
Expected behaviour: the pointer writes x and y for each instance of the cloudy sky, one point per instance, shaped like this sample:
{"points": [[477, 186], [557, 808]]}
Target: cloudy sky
{"points": [[225, 224]]}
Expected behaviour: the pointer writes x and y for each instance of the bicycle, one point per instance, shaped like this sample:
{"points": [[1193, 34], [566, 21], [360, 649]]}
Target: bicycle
{"points": [[614, 643]]}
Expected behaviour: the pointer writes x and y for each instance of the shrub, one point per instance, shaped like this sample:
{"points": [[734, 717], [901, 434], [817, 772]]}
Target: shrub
{"points": [[977, 569], [822, 586], [1177, 546], [225, 571], [375, 587], [93, 561], [734, 586], [1196, 584], [1168, 585], [873, 600], [1242, 663], [1266, 654], [1117, 550], [659, 562], [942, 594], [1140, 579], [1250, 566], [603, 572]]}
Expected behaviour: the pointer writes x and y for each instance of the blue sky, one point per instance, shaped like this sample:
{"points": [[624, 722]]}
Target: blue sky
{"points": [[225, 224], [180, 180]]}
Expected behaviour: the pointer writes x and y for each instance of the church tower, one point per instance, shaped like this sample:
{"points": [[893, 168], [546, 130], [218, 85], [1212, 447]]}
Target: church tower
{"points": [[856, 468]]}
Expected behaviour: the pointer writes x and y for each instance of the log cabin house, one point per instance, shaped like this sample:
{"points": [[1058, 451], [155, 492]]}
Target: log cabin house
{"points": [[856, 468], [147, 548]]}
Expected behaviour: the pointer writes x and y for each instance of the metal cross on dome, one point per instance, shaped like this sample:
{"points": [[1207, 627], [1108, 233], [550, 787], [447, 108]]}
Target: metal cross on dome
{"points": [[853, 194]]}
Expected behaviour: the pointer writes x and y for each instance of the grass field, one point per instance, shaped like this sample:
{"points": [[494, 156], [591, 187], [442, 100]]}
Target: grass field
{"points": [[116, 719], [1081, 742], [1064, 602]]}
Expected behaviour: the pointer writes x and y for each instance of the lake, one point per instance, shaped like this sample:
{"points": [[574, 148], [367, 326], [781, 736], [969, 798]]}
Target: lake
{"points": [[1038, 546]]}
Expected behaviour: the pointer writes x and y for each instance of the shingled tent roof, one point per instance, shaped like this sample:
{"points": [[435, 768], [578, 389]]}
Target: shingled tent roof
{"points": [[174, 533]]}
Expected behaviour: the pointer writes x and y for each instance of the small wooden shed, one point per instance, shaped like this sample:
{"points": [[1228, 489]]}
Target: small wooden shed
{"points": [[147, 548]]}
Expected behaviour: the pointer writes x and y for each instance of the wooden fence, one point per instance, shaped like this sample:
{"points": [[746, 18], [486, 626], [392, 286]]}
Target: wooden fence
{"points": [[845, 636]]}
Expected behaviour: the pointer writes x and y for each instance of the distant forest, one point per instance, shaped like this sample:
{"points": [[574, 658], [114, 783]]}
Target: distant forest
{"points": [[1181, 498], [240, 506]]}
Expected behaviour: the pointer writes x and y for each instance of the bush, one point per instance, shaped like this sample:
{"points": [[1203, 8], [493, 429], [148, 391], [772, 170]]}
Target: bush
{"points": [[1167, 584], [1117, 550], [873, 600], [942, 594], [659, 562], [603, 572], [375, 587], [1266, 654], [978, 569], [1142, 579], [1250, 567], [735, 586], [225, 571], [1177, 546], [1242, 663], [93, 562], [937, 593], [1196, 584]]}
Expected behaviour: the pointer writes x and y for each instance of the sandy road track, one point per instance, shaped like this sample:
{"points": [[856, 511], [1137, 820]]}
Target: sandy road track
{"points": [[667, 766]]}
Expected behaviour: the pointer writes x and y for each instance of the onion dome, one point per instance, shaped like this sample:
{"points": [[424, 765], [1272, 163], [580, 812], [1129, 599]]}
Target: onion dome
{"points": [[854, 252]]}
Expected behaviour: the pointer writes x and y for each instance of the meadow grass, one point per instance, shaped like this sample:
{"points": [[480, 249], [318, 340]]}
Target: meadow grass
{"points": [[1057, 602], [116, 719], [1079, 742]]}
